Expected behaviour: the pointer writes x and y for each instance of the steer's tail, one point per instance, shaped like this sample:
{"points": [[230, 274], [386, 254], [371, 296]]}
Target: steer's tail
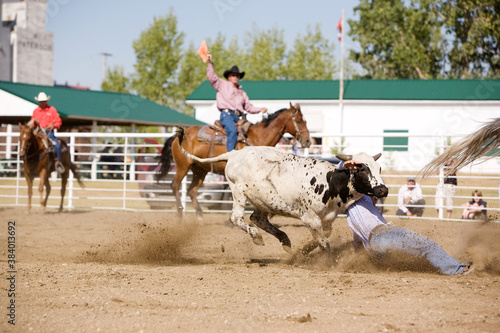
{"points": [[222, 157]]}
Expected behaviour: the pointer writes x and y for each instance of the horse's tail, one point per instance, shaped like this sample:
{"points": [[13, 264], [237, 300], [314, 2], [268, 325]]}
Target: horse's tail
{"points": [[166, 159], [76, 174], [480, 143], [222, 157]]}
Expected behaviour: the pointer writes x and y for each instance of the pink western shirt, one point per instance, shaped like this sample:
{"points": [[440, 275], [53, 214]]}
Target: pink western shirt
{"points": [[228, 96]]}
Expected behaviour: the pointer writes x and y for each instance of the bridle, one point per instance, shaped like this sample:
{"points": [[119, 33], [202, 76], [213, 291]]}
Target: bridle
{"points": [[298, 133], [28, 144]]}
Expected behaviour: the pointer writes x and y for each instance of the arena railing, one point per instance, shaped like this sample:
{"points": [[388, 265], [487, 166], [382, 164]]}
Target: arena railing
{"points": [[118, 171]]}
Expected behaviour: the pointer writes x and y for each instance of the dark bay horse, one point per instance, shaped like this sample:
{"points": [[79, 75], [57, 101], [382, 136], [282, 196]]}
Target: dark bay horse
{"points": [[268, 132], [39, 162]]}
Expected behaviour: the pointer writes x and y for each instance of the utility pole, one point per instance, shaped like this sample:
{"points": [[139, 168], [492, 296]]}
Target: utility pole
{"points": [[104, 66]]}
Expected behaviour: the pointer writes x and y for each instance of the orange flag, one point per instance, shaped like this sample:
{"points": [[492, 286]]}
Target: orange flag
{"points": [[203, 51]]}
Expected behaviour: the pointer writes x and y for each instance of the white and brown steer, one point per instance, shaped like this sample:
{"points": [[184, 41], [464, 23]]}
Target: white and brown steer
{"points": [[277, 182]]}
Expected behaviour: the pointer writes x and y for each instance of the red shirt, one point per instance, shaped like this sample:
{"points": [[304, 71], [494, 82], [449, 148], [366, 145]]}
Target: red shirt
{"points": [[46, 116]]}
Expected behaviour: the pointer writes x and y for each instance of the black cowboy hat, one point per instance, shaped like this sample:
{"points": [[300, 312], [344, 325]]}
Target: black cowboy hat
{"points": [[234, 70]]}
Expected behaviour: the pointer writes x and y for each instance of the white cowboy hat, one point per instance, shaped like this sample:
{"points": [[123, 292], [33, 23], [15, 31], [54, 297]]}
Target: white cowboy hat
{"points": [[42, 97]]}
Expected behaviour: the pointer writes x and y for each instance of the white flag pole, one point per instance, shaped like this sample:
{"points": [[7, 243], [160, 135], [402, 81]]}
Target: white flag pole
{"points": [[341, 83]]}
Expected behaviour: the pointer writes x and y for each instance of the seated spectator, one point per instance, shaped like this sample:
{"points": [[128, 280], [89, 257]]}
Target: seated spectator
{"points": [[410, 199], [476, 208]]}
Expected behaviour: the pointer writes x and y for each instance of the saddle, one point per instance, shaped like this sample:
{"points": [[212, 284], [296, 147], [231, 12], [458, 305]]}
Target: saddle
{"points": [[48, 143], [215, 134]]}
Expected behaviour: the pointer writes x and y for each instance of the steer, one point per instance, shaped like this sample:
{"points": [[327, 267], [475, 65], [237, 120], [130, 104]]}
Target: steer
{"points": [[277, 182]]}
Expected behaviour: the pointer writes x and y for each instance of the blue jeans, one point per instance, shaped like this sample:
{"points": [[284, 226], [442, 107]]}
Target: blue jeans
{"points": [[228, 121], [389, 240], [57, 145]]}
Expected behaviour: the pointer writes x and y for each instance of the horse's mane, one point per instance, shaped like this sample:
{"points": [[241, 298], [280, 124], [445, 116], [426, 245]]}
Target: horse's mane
{"points": [[272, 116], [34, 125], [480, 143]]}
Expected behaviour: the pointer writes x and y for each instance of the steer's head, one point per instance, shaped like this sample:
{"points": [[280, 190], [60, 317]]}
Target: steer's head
{"points": [[367, 179]]}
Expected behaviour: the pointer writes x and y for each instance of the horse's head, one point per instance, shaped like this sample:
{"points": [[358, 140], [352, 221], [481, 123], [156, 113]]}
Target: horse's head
{"points": [[297, 126], [25, 139]]}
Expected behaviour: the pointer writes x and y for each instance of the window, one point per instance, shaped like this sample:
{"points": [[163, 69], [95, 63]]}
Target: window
{"points": [[396, 143]]}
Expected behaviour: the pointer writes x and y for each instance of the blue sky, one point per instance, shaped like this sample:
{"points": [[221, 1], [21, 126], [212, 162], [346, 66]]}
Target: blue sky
{"points": [[85, 29]]}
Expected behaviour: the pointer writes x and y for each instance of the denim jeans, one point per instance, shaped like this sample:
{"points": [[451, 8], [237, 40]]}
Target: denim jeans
{"points": [[228, 121], [57, 145], [387, 240]]}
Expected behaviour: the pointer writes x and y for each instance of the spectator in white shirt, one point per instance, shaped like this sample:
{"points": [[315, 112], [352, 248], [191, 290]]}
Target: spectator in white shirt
{"points": [[410, 199]]}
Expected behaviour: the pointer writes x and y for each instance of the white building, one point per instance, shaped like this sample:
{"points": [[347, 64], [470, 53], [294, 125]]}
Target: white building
{"points": [[410, 120]]}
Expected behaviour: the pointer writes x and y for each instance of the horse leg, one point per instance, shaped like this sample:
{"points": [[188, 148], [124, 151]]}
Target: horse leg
{"points": [[260, 218], [64, 181], [29, 180], [180, 173], [198, 177], [44, 181]]}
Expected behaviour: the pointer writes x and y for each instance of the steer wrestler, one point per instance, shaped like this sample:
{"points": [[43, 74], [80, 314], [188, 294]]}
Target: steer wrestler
{"points": [[381, 240]]}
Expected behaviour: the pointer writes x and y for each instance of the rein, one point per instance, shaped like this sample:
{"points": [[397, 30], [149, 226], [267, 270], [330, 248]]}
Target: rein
{"points": [[35, 151]]}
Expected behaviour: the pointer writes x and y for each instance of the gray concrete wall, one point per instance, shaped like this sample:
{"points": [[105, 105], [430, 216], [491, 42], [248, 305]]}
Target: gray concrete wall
{"points": [[28, 57]]}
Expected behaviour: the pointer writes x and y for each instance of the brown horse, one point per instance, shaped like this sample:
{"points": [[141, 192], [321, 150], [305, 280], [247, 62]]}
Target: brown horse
{"points": [[268, 132], [39, 162]]}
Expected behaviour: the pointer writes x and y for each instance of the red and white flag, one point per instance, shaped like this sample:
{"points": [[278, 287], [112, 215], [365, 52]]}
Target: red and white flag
{"points": [[339, 27]]}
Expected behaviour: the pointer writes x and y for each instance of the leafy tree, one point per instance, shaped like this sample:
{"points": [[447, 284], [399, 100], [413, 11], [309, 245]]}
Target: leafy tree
{"points": [[311, 57], [399, 39], [265, 57], [116, 81], [474, 29], [158, 52]]}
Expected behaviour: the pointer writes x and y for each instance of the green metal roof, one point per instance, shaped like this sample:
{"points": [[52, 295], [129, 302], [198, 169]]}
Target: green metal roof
{"points": [[446, 90], [80, 106]]}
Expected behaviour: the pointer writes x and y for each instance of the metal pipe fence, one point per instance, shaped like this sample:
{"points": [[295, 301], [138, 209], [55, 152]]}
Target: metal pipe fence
{"points": [[118, 173]]}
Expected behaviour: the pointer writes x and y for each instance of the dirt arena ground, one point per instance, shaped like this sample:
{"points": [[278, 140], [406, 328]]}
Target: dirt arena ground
{"points": [[109, 271]]}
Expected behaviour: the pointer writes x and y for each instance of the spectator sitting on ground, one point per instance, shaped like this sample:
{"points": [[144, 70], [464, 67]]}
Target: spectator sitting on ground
{"points": [[476, 208], [410, 199]]}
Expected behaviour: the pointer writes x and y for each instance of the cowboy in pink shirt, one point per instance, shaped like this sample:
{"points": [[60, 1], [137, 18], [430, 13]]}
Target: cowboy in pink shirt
{"points": [[232, 101]]}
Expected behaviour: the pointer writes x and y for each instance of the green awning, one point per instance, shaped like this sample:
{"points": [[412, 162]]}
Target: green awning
{"points": [[84, 106], [436, 90]]}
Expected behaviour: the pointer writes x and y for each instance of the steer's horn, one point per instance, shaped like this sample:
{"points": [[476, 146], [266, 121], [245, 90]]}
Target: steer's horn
{"points": [[344, 157], [376, 157]]}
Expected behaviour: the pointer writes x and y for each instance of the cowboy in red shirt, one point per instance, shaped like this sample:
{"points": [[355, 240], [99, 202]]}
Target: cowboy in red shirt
{"points": [[49, 119]]}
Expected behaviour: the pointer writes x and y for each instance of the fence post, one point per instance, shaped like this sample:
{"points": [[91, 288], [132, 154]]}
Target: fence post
{"points": [[440, 186], [125, 155], [18, 172], [71, 176]]}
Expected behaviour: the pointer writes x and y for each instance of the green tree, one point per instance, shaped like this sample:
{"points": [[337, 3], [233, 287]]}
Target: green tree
{"points": [[398, 38], [265, 57], [116, 81], [311, 57], [158, 53], [473, 27]]}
